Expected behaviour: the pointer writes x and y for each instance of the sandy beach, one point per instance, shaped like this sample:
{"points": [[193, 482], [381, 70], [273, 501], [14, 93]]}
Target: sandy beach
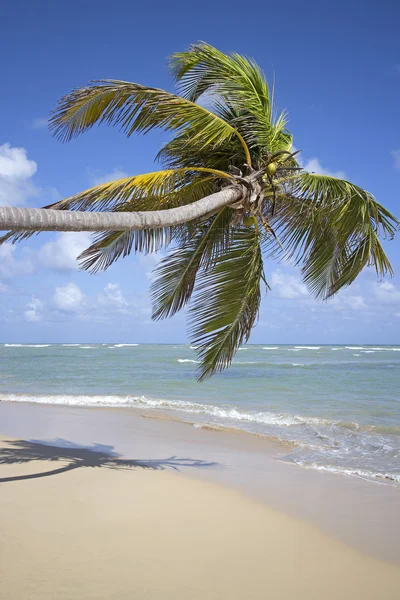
{"points": [[91, 523]]}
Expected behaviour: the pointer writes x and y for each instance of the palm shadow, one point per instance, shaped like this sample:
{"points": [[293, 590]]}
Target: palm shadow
{"points": [[77, 457]]}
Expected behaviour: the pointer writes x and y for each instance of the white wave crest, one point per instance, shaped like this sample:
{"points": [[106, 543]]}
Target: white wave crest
{"points": [[270, 347], [123, 345], [248, 362], [362, 473], [26, 345], [186, 360], [307, 347], [176, 405], [378, 348], [193, 347]]}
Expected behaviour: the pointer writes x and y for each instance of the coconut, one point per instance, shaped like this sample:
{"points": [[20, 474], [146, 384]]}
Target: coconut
{"points": [[271, 169], [248, 221]]}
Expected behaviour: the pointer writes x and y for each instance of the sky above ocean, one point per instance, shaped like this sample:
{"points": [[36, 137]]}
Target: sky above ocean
{"points": [[337, 72]]}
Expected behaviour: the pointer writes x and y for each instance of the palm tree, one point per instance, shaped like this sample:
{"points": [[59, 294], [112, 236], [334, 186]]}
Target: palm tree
{"points": [[231, 192]]}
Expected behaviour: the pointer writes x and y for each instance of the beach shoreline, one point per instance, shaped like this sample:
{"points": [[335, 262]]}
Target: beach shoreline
{"points": [[361, 514], [84, 524]]}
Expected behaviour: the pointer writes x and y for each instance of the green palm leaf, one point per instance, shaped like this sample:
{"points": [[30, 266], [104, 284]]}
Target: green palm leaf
{"points": [[237, 84], [175, 276], [110, 246], [149, 191], [137, 108], [331, 227], [226, 303]]}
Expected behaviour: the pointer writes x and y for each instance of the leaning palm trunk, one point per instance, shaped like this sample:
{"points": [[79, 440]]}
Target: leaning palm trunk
{"points": [[41, 219]]}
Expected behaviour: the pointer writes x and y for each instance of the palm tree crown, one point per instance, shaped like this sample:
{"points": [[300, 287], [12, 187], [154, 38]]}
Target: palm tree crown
{"points": [[227, 135]]}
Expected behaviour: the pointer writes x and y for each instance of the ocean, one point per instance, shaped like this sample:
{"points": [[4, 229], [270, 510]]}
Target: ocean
{"points": [[336, 407]]}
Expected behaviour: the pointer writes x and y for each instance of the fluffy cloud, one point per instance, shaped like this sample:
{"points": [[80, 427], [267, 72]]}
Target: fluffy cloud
{"points": [[112, 295], [387, 293], [112, 301], [68, 298], [313, 165], [98, 178], [345, 301], [33, 312], [396, 159], [288, 286], [10, 266], [16, 171], [61, 253]]}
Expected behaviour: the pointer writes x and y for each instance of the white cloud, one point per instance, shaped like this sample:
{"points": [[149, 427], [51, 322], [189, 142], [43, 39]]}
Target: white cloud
{"points": [[387, 293], [61, 253], [288, 286], [344, 302], [10, 267], [313, 165], [98, 178], [16, 171], [14, 163], [40, 123], [396, 159], [33, 313], [68, 298], [112, 301], [113, 295]]}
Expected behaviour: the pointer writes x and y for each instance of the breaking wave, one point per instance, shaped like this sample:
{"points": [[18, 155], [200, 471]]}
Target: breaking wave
{"points": [[26, 345]]}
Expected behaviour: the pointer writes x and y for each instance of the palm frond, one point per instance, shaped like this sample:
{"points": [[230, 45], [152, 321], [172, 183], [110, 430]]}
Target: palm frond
{"points": [[233, 82], [175, 276], [12, 237], [159, 189], [137, 108], [110, 246], [180, 152], [226, 303], [331, 228]]}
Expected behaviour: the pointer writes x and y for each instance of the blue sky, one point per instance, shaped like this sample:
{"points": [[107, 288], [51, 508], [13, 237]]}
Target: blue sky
{"points": [[337, 68]]}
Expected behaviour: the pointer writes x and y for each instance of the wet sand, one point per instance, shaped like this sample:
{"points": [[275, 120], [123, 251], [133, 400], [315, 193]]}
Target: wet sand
{"points": [[362, 514]]}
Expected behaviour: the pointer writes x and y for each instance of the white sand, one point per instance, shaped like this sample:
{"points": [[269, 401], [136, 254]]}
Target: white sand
{"points": [[102, 533]]}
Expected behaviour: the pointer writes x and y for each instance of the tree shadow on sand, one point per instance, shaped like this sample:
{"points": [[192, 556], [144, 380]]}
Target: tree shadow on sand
{"points": [[77, 457]]}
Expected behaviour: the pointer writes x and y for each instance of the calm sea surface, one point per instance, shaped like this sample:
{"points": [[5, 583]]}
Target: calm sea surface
{"points": [[339, 405]]}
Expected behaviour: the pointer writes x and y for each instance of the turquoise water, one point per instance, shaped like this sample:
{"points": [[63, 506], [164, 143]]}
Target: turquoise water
{"points": [[338, 405]]}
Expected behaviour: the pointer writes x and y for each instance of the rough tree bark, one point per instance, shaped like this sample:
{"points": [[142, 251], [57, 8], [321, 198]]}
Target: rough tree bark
{"points": [[40, 219]]}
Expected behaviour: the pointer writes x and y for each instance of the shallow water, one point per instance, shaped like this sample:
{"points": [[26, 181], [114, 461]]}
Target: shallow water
{"points": [[338, 405]]}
